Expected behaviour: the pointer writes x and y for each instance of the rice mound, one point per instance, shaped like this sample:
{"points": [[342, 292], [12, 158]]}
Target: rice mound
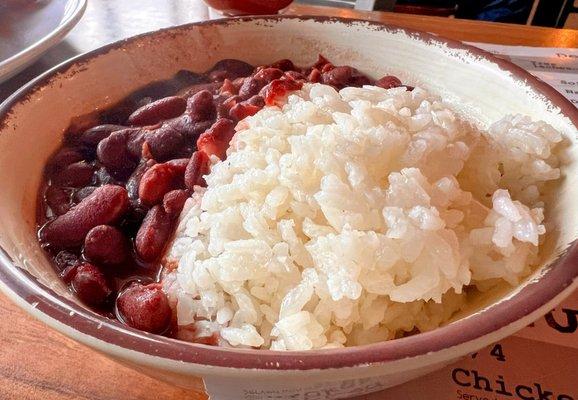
{"points": [[351, 217]]}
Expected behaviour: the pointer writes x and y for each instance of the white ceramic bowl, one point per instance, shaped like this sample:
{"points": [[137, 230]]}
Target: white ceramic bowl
{"points": [[39, 44], [33, 120]]}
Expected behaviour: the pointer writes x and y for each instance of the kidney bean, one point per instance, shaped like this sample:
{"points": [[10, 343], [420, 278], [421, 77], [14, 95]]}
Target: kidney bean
{"points": [[327, 67], [83, 193], [189, 129], [216, 139], [237, 83], [58, 199], [295, 75], [359, 81], [197, 167], [234, 68], [224, 105], [68, 273], [74, 175], [158, 180], [388, 82], [284, 65], [105, 244], [218, 75], [279, 88], [269, 74], [251, 86], [212, 87], [65, 259], [112, 152], [135, 141], [63, 158], [201, 106], [314, 76], [93, 136], [145, 307], [90, 284], [174, 201], [228, 88], [178, 164], [258, 101], [337, 77], [157, 111], [165, 142], [243, 110], [153, 234], [104, 206]]}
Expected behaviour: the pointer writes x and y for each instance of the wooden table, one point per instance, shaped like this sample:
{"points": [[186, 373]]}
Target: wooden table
{"points": [[38, 363]]}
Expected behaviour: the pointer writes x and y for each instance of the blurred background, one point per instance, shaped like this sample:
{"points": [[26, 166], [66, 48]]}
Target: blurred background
{"points": [[551, 13]]}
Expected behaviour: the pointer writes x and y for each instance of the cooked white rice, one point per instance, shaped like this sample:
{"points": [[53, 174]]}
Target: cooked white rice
{"points": [[352, 217]]}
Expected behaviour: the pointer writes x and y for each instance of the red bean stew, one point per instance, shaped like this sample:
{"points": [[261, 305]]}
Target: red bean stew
{"points": [[113, 192]]}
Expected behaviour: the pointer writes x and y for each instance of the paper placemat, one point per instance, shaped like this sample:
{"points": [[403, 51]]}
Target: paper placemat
{"points": [[541, 361]]}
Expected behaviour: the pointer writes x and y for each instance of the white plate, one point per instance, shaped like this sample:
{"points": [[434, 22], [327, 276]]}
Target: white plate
{"points": [[30, 30]]}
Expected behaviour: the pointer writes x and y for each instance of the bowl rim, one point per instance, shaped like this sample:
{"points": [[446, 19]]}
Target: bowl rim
{"points": [[72, 13], [23, 287]]}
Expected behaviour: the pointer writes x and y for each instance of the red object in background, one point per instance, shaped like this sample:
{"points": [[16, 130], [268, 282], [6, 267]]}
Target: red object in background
{"points": [[239, 7]]}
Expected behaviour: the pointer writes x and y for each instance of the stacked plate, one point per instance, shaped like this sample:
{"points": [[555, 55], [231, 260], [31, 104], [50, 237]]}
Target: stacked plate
{"points": [[29, 28]]}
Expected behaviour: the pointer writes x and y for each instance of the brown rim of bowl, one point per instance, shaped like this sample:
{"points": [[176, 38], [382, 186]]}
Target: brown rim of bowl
{"points": [[555, 278]]}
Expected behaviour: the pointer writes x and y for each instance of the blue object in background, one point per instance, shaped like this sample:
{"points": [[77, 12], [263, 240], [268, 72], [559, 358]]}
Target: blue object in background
{"points": [[513, 11]]}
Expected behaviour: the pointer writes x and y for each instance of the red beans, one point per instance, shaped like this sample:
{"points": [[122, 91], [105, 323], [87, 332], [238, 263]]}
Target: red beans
{"points": [[90, 285], [388, 82], [197, 167], [159, 180], [174, 201], [215, 141], [243, 110], [115, 191], [269, 74], [93, 136], [157, 111], [104, 206], [228, 88], [211, 87], [279, 88], [153, 234], [134, 142], [359, 80], [314, 76], [145, 308], [165, 142], [58, 199], [74, 175], [83, 193], [105, 244], [284, 65], [112, 152], [201, 106], [234, 68], [338, 76], [189, 128], [251, 86], [63, 158]]}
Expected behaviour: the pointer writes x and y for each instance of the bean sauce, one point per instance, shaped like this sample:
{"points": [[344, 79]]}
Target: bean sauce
{"points": [[113, 192]]}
